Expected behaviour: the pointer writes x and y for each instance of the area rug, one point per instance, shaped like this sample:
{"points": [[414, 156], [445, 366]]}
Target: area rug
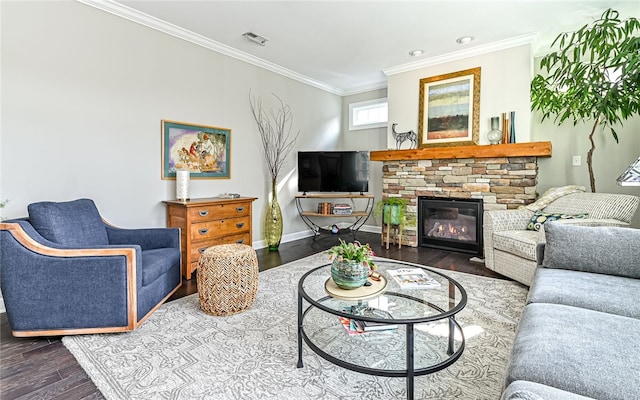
{"points": [[182, 353]]}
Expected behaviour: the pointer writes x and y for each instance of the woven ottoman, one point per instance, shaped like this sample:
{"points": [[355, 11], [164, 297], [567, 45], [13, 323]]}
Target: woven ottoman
{"points": [[227, 279]]}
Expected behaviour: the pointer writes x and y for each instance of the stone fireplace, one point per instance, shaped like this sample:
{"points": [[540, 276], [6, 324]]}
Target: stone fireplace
{"points": [[501, 176]]}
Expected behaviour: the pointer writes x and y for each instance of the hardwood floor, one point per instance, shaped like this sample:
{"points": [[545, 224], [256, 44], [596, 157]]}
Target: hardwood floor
{"points": [[42, 368]]}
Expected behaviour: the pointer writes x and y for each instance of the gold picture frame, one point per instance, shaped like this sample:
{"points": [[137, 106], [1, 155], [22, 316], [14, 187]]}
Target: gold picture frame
{"points": [[449, 109]]}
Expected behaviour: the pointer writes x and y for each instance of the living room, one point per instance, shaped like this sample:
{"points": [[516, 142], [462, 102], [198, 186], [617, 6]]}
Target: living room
{"points": [[84, 93]]}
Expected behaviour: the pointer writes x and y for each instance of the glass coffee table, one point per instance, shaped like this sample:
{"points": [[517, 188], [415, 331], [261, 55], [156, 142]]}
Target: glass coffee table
{"points": [[386, 329]]}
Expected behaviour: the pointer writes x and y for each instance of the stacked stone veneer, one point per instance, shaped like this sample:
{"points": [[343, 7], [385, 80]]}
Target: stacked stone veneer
{"points": [[502, 183]]}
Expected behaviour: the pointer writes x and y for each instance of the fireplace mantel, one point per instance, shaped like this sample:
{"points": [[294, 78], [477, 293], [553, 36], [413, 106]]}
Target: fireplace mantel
{"points": [[528, 149]]}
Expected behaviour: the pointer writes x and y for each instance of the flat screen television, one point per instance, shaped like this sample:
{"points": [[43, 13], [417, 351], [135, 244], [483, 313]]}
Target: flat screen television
{"points": [[333, 171]]}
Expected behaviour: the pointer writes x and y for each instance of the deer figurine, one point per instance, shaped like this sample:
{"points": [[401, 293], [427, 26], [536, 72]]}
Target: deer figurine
{"points": [[401, 137]]}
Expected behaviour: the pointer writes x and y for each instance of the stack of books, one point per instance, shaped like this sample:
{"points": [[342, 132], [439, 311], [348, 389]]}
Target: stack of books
{"points": [[342, 209], [357, 327]]}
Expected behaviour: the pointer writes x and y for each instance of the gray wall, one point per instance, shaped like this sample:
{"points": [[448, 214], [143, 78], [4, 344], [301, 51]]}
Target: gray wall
{"points": [[83, 94]]}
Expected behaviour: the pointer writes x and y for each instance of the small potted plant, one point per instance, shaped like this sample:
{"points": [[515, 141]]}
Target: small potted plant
{"points": [[392, 210], [351, 264]]}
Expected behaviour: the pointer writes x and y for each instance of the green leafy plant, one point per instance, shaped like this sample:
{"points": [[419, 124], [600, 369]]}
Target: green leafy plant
{"points": [[389, 203], [354, 251], [593, 76]]}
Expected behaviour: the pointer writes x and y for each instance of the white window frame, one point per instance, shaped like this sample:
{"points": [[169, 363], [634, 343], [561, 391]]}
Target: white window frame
{"points": [[354, 107]]}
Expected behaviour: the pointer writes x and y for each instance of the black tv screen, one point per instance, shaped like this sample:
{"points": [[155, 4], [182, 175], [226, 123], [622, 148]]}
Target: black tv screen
{"points": [[333, 171]]}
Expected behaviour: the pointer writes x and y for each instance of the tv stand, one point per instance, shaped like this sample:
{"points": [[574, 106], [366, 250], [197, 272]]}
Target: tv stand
{"points": [[359, 215]]}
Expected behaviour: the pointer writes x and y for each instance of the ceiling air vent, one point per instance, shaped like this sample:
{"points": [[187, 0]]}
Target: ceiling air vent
{"points": [[261, 40]]}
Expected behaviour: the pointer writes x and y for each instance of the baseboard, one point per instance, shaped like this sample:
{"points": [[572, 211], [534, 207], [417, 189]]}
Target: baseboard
{"points": [[290, 237]]}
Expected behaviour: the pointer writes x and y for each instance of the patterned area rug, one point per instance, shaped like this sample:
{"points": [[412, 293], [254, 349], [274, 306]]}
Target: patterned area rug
{"points": [[182, 353]]}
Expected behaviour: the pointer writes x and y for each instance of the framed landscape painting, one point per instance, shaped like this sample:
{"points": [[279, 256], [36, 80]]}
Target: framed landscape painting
{"points": [[204, 150], [449, 109]]}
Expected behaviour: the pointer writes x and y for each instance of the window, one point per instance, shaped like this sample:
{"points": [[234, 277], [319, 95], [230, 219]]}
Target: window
{"points": [[368, 114]]}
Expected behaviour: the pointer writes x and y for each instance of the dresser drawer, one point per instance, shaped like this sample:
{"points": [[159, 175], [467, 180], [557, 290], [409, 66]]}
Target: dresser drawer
{"points": [[218, 211], [219, 228], [198, 247]]}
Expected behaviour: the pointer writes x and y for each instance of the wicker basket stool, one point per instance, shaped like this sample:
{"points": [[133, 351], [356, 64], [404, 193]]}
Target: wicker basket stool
{"points": [[227, 279]]}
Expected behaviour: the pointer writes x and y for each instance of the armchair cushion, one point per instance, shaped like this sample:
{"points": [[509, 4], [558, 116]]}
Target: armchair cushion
{"points": [[521, 243], [157, 262], [72, 223]]}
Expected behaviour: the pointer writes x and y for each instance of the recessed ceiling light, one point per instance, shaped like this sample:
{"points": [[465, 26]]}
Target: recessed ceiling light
{"points": [[255, 38], [464, 39], [415, 53]]}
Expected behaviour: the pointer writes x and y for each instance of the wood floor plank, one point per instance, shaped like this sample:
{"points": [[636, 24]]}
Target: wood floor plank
{"points": [[39, 368]]}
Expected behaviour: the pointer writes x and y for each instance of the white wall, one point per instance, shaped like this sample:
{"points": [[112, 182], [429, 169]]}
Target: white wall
{"points": [[505, 77], [366, 139], [83, 94]]}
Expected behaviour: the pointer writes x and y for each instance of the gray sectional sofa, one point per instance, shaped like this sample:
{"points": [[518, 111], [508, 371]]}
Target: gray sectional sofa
{"points": [[579, 334]]}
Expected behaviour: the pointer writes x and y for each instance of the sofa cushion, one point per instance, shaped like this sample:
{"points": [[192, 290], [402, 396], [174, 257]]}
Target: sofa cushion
{"points": [[519, 242], [607, 293], [156, 262], [71, 223], [539, 218], [580, 248], [586, 352], [524, 390]]}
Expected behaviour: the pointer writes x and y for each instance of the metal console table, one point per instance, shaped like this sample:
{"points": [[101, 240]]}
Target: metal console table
{"points": [[359, 215]]}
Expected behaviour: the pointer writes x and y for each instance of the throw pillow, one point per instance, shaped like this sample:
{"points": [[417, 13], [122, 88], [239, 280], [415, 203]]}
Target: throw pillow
{"points": [[540, 218]]}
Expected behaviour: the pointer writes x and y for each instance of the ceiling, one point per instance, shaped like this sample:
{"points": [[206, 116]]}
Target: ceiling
{"points": [[347, 47]]}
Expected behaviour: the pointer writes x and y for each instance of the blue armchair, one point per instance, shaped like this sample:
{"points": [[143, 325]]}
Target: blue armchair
{"points": [[65, 271]]}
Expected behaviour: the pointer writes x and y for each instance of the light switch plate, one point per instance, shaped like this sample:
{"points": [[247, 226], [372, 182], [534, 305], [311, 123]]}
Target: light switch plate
{"points": [[576, 161]]}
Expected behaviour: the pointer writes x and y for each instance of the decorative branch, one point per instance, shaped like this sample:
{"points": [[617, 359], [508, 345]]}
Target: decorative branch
{"points": [[275, 131]]}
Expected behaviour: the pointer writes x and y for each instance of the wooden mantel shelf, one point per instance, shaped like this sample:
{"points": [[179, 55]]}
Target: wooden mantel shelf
{"points": [[528, 149]]}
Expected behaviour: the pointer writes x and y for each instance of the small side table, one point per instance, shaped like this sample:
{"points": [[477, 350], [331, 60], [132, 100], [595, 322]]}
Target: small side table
{"points": [[227, 279], [397, 235]]}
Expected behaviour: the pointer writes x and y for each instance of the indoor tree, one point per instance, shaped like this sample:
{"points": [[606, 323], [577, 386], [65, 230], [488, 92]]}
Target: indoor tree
{"points": [[593, 76]]}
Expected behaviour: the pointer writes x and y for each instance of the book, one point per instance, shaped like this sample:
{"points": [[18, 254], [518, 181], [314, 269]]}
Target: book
{"points": [[413, 278], [349, 326], [366, 326], [355, 326]]}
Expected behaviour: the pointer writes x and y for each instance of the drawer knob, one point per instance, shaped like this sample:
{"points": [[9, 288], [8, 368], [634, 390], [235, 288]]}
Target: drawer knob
{"points": [[203, 213], [239, 209], [202, 249], [239, 225], [203, 231], [240, 241]]}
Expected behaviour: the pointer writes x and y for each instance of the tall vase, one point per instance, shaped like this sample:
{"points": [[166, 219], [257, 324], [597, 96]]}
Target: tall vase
{"points": [[512, 128], [273, 220]]}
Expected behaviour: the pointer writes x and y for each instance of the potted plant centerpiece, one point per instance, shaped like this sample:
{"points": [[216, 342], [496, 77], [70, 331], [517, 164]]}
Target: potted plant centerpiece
{"points": [[351, 264]]}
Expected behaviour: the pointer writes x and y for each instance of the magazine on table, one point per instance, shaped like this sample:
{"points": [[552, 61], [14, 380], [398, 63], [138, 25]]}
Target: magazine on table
{"points": [[413, 278]]}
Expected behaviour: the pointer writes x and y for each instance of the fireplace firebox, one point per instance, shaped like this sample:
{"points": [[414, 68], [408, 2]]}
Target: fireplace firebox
{"points": [[450, 224]]}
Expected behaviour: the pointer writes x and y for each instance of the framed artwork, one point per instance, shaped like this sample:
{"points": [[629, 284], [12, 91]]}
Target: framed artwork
{"points": [[449, 109], [203, 150]]}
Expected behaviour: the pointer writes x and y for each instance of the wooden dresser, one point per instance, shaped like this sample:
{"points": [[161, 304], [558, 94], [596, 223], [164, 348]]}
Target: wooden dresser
{"points": [[208, 222]]}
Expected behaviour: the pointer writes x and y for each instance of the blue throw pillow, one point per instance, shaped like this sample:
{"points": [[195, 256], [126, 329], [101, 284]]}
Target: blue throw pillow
{"points": [[71, 223], [540, 218]]}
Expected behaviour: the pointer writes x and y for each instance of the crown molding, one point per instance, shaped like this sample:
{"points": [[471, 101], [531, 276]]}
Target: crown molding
{"points": [[138, 17], [459, 55]]}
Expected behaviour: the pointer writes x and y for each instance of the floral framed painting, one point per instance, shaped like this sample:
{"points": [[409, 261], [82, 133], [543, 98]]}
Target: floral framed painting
{"points": [[204, 150], [449, 109]]}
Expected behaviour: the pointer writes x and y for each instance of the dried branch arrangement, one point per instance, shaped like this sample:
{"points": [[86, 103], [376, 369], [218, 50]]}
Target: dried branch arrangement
{"points": [[275, 131]]}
